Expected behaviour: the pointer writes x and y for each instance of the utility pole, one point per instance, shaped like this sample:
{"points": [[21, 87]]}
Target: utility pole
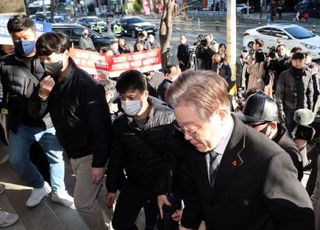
{"points": [[232, 37]]}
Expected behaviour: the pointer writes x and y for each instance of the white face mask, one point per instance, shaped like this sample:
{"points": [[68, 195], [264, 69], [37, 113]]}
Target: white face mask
{"points": [[131, 108]]}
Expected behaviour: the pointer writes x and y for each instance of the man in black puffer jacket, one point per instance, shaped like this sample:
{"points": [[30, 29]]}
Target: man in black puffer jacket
{"points": [[138, 142], [20, 74]]}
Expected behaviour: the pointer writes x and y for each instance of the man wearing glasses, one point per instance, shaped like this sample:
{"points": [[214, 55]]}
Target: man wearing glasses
{"points": [[261, 113], [237, 177]]}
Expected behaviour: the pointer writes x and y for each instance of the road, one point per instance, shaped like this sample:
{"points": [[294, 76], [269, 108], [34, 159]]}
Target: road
{"points": [[194, 26]]}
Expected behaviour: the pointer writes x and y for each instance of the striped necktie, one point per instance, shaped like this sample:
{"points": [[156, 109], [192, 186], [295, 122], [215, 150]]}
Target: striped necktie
{"points": [[213, 167]]}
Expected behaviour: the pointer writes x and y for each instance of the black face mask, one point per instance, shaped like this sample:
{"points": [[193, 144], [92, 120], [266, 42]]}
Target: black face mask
{"points": [[53, 69], [297, 71]]}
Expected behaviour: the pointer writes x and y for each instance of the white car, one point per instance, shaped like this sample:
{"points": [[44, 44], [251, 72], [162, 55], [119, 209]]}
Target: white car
{"points": [[242, 8], [290, 34]]}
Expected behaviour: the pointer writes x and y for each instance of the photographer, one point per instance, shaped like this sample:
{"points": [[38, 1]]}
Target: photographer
{"points": [[205, 51]]}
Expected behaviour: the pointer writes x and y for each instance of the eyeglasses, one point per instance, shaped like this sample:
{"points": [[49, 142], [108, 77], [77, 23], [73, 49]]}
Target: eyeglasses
{"points": [[193, 133], [253, 125]]}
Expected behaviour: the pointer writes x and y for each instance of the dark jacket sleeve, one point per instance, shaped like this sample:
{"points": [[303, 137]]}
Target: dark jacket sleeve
{"points": [[192, 214], [309, 94], [37, 107], [287, 201], [175, 159], [116, 162], [99, 124], [280, 92], [228, 71]]}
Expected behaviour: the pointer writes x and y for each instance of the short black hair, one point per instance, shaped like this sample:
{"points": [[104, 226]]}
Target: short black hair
{"points": [[20, 23], [167, 70], [222, 44], [52, 42], [297, 56], [131, 80], [296, 49]]}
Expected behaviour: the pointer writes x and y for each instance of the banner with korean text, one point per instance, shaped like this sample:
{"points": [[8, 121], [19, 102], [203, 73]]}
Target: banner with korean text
{"points": [[101, 65]]}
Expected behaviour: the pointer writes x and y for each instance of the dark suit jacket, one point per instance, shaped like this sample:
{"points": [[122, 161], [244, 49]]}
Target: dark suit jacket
{"points": [[256, 188]]}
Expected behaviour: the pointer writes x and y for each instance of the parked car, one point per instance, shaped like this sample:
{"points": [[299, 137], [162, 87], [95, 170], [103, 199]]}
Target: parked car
{"points": [[290, 34], [40, 16], [89, 21], [132, 25], [242, 8], [74, 32], [311, 8]]}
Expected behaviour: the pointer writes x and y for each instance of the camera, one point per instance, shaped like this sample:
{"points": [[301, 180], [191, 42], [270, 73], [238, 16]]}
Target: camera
{"points": [[203, 42]]}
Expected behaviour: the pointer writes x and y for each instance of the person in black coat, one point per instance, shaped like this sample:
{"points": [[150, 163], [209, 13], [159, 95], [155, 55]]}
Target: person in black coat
{"points": [[261, 113], [204, 53], [172, 72], [20, 74], [80, 114], [237, 178], [138, 140], [221, 67], [183, 53]]}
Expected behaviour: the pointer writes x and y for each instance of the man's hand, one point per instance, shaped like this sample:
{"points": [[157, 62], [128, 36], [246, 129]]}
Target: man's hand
{"points": [[97, 174], [110, 198], [46, 86], [177, 215], [162, 199]]}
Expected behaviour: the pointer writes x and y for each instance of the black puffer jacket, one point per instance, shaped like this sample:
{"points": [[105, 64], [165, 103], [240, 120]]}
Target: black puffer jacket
{"points": [[139, 152], [15, 82]]}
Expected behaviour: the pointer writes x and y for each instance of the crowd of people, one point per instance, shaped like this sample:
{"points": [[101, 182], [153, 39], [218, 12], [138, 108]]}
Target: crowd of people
{"points": [[174, 146], [118, 45]]}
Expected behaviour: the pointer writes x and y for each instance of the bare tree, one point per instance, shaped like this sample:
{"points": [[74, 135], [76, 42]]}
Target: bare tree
{"points": [[169, 12]]}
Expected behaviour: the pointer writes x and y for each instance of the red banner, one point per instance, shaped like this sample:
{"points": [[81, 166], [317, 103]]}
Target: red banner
{"points": [[101, 65]]}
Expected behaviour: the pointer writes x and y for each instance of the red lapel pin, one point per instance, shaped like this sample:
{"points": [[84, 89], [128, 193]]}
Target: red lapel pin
{"points": [[234, 163]]}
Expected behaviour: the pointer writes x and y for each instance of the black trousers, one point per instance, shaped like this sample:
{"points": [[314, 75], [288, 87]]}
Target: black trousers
{"points": [[130, 201]]}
